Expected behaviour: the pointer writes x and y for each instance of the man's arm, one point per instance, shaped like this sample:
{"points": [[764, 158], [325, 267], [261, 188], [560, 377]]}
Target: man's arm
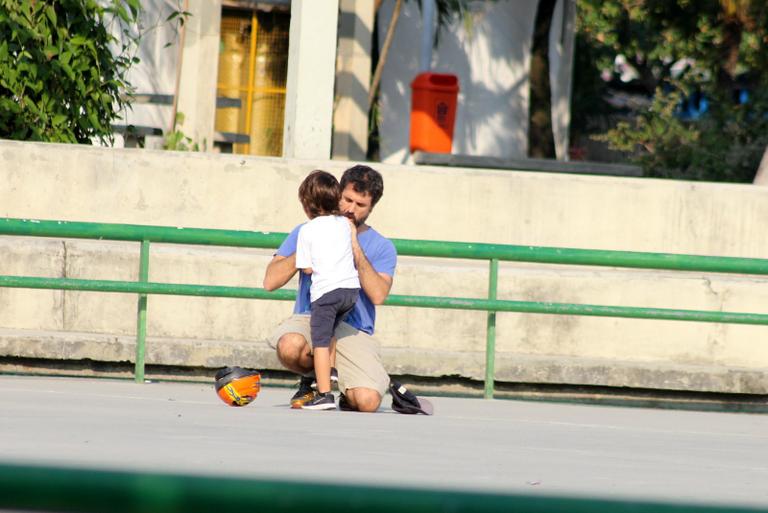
{"points": [[375, 285], [279, 271]]}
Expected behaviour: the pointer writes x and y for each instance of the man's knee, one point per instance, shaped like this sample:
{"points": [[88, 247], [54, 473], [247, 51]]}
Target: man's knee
{"points": [[293, 351], [364, 399]]}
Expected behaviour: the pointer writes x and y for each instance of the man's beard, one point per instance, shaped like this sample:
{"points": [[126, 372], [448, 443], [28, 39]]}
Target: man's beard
{"points": [[358, 223]]}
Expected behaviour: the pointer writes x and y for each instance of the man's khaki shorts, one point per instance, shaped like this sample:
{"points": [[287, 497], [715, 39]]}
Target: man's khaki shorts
{"points": [[358, 358]]}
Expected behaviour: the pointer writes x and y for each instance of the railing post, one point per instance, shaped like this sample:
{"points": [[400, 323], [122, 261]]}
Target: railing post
{"points": [[490, 339], [141, 321]]}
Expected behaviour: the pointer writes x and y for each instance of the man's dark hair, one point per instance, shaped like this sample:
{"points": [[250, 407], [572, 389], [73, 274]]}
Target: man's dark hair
{"points": [[319, 194], [364, 180]]}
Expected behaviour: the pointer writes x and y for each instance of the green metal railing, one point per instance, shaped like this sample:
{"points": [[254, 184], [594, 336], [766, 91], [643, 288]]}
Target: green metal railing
{"points": [[31, 488], [494, 253]]}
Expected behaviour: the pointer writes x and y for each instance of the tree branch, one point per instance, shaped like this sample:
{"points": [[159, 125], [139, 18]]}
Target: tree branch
{"points": [[384, 51]]}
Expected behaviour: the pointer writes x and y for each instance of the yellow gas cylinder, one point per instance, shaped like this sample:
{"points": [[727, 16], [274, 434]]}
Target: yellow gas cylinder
{"points": [[230, 84], [270, 71]]}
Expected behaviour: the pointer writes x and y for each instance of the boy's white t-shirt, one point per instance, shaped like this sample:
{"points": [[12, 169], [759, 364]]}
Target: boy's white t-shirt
{"points": [[325, 245]]}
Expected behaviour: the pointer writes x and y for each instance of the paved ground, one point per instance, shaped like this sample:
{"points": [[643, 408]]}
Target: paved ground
{"points": [[473, 444]]}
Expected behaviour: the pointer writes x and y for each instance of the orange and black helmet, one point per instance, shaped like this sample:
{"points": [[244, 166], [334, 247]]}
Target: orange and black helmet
{"points": [[237, 386]]}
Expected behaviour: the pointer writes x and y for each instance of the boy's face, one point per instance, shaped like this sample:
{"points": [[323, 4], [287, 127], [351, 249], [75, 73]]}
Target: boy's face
{"points": [[355, 203]]}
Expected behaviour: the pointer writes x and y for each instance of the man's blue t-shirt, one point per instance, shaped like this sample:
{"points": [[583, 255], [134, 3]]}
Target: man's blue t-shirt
{"points": [[379, 251]]}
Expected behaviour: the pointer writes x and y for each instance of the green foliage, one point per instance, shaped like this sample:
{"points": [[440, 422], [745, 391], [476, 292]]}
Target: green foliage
{"points": [[178, 140], [654, 34], [447, 12], [724, 42], [725, 145], [62, 72]]}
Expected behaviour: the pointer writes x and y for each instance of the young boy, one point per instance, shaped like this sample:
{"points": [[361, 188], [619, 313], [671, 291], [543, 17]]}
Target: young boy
{"points": [[324, 250]]}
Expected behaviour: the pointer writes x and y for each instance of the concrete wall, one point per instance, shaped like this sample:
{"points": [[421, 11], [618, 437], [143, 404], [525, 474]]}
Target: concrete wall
{"points": [[234, 192]]}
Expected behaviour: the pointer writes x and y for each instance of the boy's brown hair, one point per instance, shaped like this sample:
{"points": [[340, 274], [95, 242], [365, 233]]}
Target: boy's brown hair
{"points": [[319, 194]]}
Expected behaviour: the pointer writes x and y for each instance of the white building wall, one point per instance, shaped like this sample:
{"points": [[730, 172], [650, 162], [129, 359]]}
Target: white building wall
{"points": [[165, 46], [489, 50], [156, 71]]}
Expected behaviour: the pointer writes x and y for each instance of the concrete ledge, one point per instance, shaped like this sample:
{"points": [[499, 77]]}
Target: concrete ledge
{"points": [[510, 368], [159, 351], [628, 374], [521, 368], [526, 164]]}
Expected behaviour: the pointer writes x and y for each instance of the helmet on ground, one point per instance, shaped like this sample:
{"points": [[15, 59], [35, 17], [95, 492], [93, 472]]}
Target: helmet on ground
{"points": [[237, 386]]}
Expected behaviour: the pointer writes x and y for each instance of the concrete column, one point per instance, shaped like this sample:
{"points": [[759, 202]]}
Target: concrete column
{"points": [[199, 71], [353, 79], [311, 72], [561, 43]]}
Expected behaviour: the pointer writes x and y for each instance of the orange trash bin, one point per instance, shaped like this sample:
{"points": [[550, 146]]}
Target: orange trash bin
{"points": [[433, 112]]}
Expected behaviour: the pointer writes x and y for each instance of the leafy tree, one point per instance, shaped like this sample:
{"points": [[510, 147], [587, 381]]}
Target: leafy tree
{"points": [[62, 71], [682, 50], [724, 145]]}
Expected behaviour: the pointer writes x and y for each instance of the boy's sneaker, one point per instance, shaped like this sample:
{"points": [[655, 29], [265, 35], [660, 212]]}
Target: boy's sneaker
{"points": [[305, 393], [321, 402]]}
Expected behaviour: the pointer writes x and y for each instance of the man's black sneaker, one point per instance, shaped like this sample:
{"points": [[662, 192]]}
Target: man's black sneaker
{"points": [[321, 402], [304, 394], [344, 403]]}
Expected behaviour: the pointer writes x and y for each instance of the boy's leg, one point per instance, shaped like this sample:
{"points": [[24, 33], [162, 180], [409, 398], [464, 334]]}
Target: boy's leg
{"points": [[346, 303], [332, 349], [323, 369], [321, 322]]}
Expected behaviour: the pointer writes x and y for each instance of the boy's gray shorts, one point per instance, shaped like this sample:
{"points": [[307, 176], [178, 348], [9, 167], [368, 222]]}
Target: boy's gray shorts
{"points": [[358, 354], [328, 311]]}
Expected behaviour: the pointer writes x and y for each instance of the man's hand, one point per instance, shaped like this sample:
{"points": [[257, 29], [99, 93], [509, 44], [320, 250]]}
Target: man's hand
{"points": [[279, 271]]}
